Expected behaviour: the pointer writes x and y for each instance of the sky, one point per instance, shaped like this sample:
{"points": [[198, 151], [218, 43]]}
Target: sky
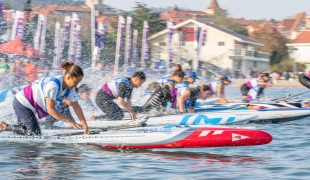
{"points": [[251, 9]]}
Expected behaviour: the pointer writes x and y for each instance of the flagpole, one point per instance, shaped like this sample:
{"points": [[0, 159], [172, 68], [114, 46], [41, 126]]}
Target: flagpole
{"points": [[127, 43]]}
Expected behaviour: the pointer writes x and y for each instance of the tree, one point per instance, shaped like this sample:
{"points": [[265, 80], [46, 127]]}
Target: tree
{"points": [[274, 43], [220, 17]]}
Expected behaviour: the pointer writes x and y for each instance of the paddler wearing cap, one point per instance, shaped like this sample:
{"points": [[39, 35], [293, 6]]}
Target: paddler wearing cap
{"points": [[217, 88], [262, 81], [190, 78], [119, 89]]}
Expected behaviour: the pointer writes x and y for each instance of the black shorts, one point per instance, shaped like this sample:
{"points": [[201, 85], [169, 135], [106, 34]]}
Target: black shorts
{"points": [[304, 80], [244, 90], [108, 106]]}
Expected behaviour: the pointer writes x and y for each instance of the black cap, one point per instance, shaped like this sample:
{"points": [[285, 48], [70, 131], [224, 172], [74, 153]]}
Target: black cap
{"points": [[84, 88], [140, 74]]}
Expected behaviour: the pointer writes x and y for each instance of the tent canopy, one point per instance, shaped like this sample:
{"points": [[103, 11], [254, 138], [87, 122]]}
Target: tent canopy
{"points": [[16, 47]]}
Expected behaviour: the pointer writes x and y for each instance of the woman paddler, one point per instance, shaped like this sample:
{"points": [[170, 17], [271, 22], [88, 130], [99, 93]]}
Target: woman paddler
{"points": [[171, 81], [217, 88], [42, 97], [261, 80], [187, 100], [119, 89]]}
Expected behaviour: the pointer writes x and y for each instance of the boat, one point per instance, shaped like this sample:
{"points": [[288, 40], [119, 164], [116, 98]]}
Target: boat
{"points": [[195, 136], [182, 119]]}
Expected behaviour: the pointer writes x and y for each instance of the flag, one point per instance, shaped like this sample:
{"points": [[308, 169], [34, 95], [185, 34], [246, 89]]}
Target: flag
{"points": [[56, 44], [18, 27], [73, 34], [145, 45], [134, 48], [119, 43], [127, 43], [170, 53]]}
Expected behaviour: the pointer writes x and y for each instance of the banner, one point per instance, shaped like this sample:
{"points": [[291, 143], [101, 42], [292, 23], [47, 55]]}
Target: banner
{"points": [[43, 34], [64, 35], [73, 34], [202, 39], [78, 46], [1, 18], [18, 27], [119, 43], [56, 44], [36, 38], [93, 26], [134, 48], [145, 45], [127, 43], [170, 52]]}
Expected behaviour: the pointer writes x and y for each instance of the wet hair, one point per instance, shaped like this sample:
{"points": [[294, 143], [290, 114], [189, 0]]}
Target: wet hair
{"points": [[72, 69], [153, 86], [203, 87], [225, 78], [264, 75], [140, 75], [178, 67], [84, 88], [179, 72]]}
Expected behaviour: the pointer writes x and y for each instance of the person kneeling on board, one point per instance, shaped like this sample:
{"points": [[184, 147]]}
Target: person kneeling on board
{"points": [[119, 89], [217, 88], [261, 80], [160, 96], [187, 100], [42, 97]]}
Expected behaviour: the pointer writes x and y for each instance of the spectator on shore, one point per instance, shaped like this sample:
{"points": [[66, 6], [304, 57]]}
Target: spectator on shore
{"points": [[18, 71], [32, 71], [4, 67]]}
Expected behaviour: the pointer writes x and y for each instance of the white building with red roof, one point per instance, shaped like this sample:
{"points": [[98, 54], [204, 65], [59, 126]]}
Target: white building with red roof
{"points": [[300, 47], [223, 49]]}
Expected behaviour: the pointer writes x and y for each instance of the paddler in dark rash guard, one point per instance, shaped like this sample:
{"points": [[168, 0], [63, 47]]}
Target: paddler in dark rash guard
{"points": [[187, 100], [119, 89]]}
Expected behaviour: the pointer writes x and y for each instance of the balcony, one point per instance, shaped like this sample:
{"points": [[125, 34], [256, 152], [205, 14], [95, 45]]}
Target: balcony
{"points": [[250, 55]]}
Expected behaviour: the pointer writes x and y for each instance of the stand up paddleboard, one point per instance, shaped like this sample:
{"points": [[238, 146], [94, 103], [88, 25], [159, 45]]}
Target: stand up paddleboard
{"points": [[187, 119], [152, 137]]}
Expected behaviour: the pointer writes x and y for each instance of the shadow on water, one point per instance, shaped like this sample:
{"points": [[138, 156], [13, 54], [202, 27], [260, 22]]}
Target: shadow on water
{"points": [[38, 161], [187, 155]]}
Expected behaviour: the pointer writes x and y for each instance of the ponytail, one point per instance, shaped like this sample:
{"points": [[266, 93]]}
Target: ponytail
{"points": [[72, 69], [178, 72]]}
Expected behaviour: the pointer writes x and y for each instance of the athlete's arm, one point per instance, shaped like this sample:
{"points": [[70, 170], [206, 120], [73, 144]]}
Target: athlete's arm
{"points": [[78, 111], [51, 110], [186, 95], [126, 106], [220, 90]]}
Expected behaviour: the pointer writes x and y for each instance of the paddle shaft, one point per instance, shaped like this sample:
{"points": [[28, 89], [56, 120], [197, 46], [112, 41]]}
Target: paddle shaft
{"points": [[283, 98]]}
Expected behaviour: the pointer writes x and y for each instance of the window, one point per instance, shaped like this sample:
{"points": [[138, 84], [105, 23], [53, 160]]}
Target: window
{"points": [[162, 44], [182, 38], [221, 43]]}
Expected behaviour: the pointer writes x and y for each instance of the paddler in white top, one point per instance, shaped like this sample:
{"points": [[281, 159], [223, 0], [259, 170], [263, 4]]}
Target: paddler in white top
{"points": [[42, 98], [217, 88], [119, 89], [261, 80], [190, 78]]}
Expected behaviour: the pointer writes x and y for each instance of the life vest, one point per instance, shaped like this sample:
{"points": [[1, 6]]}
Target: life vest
{"points": [[182, 87], [34, 95], [164, 81], [252, 83], [254, 93], [112, 87], [213, 86], [188, 102]]}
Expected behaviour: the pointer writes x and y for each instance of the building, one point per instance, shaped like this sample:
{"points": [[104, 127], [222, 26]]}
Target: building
{"points": [[300, 47], [176, 16], [222, 50], [291, 27]]}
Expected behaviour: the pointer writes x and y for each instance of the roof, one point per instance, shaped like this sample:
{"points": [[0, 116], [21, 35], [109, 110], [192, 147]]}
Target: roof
{"points": [[287, 24], [292, 24], [213, 4], [177, 16], [243, 22], [234, 35], [46, 10], [303, 37], [298, 18]]}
